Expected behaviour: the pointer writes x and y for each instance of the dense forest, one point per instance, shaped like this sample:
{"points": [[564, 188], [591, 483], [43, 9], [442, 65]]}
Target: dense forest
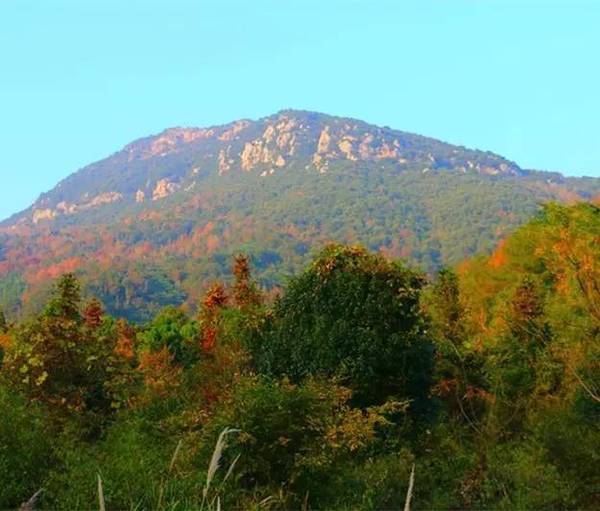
{"points": [[478, 387]]}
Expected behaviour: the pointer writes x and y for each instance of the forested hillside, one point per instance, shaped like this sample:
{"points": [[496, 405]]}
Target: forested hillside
{"points": [[154, 223], [483, 381]]}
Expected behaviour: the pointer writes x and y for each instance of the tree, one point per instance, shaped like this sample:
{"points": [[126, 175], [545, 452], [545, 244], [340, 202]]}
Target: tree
{"points": [[92, 314], [173, 330], [210, 314], [57, 360], [575, 251], [66, 300], [3, 323], [526, 317], [245, 294], [457, 369], [355, 316], [446, 309]]}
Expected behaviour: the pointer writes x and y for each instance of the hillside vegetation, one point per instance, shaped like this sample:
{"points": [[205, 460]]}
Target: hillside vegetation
{"points": [[152, 224], [485, 379]]}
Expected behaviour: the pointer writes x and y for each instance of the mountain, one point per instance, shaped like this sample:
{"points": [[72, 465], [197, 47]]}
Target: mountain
{"points": [[154, 223]]}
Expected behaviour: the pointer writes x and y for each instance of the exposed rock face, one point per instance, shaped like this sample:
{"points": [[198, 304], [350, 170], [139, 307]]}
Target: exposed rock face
{"points": [[104, 198], [346, 145], [140, 196], [277, 141], [42, 214], [233, 131], [324, 139], [223, 161], [163, 189], [321, 139], [269, 133], [255, 153], [172, 139], [66, 208]]}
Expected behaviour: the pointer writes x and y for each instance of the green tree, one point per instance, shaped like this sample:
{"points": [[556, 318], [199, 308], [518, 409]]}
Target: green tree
{"points": [[66, 300], [172, 329], [355, 316], [446, 310], [458, 376]]}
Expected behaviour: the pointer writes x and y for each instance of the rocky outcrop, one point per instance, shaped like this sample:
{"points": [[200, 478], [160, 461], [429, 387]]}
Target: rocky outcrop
{"points": [[234, 129], [164, 188], [66, 208], [167, 142], [255, 153], [224, 162], [42, 214], [103, 198]]}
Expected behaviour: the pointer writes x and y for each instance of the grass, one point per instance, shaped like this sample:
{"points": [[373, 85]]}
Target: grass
{"points": [[209, 502]]}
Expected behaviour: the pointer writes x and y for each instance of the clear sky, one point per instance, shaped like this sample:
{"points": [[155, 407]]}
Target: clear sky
{"points": [[81, 78]]}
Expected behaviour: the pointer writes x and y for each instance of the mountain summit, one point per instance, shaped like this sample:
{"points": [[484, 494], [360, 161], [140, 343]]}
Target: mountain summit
{"points": [[178, 159], [152, 224]]}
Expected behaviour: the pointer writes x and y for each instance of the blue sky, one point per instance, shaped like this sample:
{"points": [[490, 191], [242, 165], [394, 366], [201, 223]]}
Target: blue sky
{"points": [[81, 78]]}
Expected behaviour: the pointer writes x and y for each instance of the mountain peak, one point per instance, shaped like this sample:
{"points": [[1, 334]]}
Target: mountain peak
{"points": [[155, 167]]}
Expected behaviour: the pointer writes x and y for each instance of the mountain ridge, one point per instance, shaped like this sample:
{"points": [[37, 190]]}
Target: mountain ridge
{"points": [[269, 143]]}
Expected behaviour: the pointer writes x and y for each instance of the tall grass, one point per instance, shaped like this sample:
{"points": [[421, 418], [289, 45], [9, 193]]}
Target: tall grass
{"points": [[213, 466], [211, 492]]}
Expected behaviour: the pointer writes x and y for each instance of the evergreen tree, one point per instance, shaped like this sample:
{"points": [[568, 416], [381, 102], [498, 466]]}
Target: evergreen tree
{"points": [[66, 300]]}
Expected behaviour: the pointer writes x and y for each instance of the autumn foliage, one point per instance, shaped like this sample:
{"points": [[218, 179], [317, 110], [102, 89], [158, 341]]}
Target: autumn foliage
{"points": [[483, 377]]}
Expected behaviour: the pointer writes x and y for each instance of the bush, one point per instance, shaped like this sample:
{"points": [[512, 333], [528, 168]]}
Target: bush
{"points": [[294, 437]]}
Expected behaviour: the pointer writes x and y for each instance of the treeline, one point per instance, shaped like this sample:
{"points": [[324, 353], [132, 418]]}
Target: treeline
{"points": [[485, 381]]}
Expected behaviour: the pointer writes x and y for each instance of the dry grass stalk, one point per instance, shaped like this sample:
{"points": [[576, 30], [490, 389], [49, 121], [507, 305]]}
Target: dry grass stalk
{"points": [[231, 467], [409, 492], [174, 458], [30, 504], [215, 462], [101, 502]]}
